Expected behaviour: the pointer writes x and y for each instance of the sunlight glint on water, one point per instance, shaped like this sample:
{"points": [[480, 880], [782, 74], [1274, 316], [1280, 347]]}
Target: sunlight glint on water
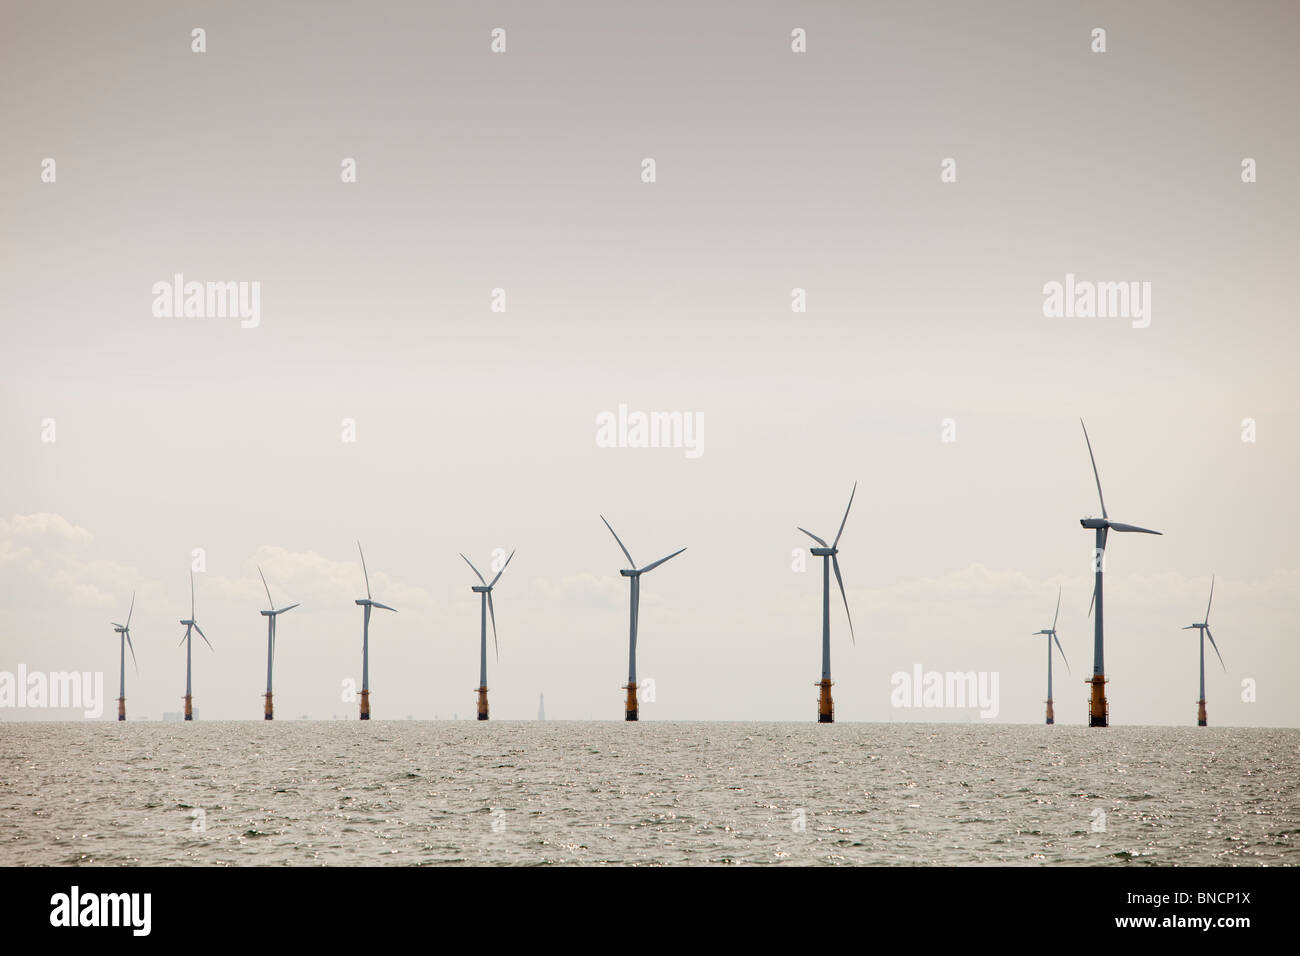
{"points": [[419, 793]]}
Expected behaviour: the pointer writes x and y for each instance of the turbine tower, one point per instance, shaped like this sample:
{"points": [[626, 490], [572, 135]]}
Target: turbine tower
{"points": [[485, 602], [270, 615], [1099, 707], [632, 707], [124, 633], [1051, 636], [191, 625], [367, 603], [828, 552], [1204, 628]]}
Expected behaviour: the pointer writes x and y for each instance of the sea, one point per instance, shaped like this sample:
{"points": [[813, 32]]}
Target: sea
{"points": [[557, 793]]}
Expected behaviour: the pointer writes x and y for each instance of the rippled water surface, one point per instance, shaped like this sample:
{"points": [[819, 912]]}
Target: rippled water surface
{"points": [[417, 793]]}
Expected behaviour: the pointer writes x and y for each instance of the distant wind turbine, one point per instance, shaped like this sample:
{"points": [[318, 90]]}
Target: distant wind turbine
{"points": [[1051, 636], [828, 552], [367, 603], [270, 615], [485, 601], [632, 708], [1204, 628], [1099, 708], [191, 625], [124, 633]]}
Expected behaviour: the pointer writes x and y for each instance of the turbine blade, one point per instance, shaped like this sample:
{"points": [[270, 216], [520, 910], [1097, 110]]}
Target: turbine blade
{"points": [[1116, 526], [1062, 650], [472, 568], [499, 573], [1216, 649], [132, 610], [127, 635], [652, 566], [205, 637], [636, 609], [363, 568], [1207, 606], [492, 612], [269, 602], [846, 516], [814, 537], [1093, 459], [620, 541], [1058, 608], [835, 563]]}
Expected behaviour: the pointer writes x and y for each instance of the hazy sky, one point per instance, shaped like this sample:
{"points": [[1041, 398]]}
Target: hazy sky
{"points": [[476, 430]]}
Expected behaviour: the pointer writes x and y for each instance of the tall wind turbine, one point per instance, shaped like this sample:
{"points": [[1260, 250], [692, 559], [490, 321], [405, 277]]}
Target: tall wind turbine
{"points": [[124, 633], [485, 601], [270, 615], [828, 552], [1204, 628], [191, 625], [1099, 708], [632, 708], [1051, 636], [367, 603]]}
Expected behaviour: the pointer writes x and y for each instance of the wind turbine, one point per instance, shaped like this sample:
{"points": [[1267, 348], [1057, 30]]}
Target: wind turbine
{"points": [[367, 603], [828, 552], [124, 633], [270, 615], [1051, 636], [1204, 628], [1099, 708], [191, 625], [485, 600], [632, 706]]}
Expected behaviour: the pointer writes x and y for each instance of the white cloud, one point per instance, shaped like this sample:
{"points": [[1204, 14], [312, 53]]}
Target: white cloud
{"points": [[44, 558]]}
